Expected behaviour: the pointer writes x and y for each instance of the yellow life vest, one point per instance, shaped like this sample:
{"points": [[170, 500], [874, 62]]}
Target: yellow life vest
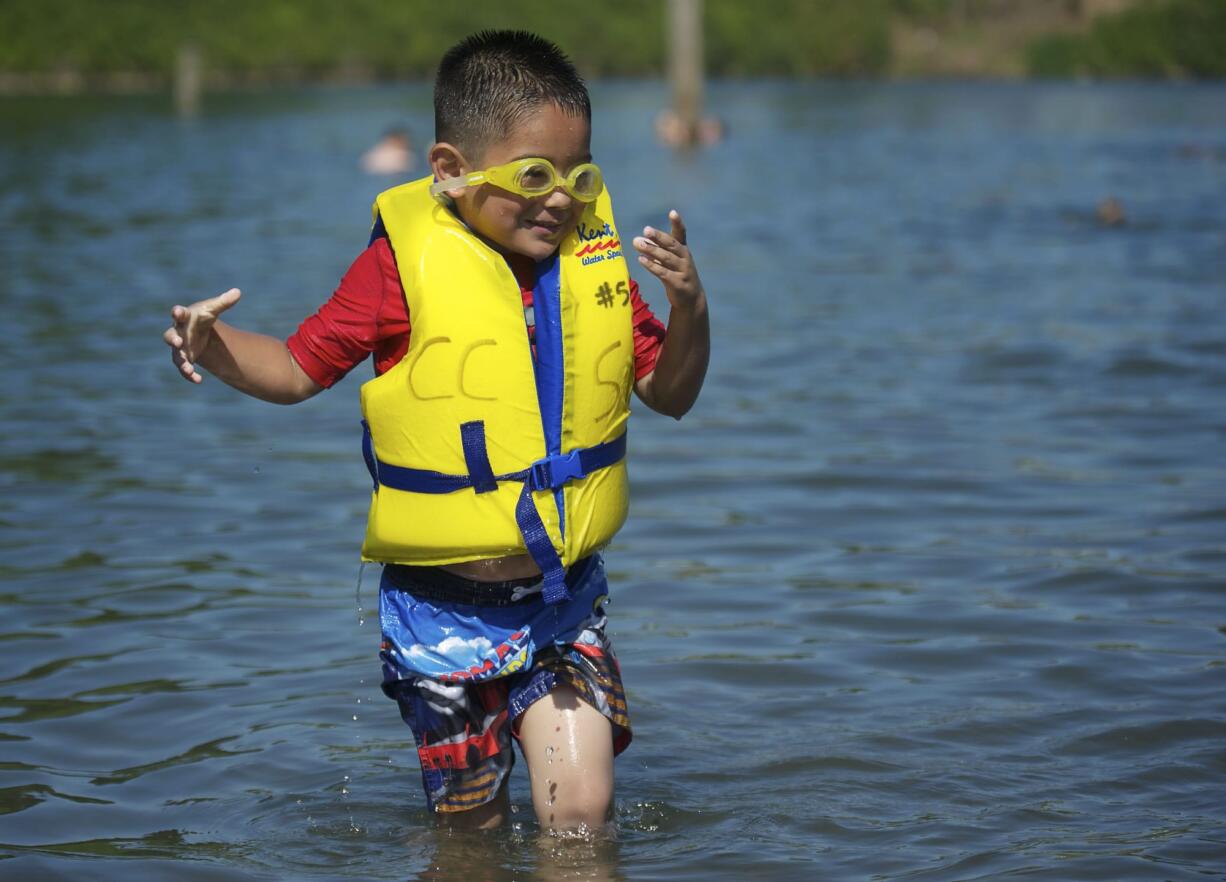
{"points": [[479, 449]]}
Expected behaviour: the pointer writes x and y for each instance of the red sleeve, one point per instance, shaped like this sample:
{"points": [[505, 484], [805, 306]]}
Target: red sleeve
{"points": [[366, 314], [648, 334]]}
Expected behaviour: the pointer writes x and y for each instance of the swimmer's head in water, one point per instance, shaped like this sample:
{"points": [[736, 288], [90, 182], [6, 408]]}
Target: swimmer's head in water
{"points": [[489, 82]]}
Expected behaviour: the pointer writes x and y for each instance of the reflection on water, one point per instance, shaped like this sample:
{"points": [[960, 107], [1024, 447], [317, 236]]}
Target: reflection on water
{"points": [[930, 584], [507, 856]]}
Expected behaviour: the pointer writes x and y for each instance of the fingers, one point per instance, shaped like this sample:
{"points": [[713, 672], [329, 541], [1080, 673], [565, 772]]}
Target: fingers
{"points": [[212, 306], [678, 225], [175, 335], [657, 248], [184, 364], [179, 356], [188, 370], [667, 257], [224, 301], [191, 328], [674, 243]]}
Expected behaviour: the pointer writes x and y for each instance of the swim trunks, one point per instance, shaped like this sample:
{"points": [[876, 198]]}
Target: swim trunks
{"points": [[464, 660]]}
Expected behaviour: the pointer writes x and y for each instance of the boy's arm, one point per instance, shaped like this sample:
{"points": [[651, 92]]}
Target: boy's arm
{"points": [[673, 387], [257, 364]]}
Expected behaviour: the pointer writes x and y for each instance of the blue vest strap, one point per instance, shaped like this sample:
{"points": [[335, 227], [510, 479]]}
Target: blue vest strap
{"points": [[552, 472], [378, 231], [547, 473], [472, 437], [368, 454], [540, 546]]}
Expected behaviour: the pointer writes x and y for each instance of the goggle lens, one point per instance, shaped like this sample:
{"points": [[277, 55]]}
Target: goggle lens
{"points": [[535, 178], [586, 182]]}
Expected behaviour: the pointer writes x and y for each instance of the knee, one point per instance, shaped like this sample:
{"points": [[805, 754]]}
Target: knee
{"points": [[586, 807]]}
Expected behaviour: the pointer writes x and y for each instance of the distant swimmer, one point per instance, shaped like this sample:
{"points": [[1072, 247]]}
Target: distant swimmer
{"points": [[672, 130], [392, 154], [1110, 213]]}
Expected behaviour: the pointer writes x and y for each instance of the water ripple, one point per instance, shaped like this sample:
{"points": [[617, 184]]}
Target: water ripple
{"points": [[928, 586]]}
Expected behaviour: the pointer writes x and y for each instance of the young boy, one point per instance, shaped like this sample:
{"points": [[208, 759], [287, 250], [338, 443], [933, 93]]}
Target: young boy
{"points": [[495, 425]]}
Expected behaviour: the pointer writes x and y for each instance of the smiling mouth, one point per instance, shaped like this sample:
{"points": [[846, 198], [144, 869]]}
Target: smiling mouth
{"points": [[546, 226]]}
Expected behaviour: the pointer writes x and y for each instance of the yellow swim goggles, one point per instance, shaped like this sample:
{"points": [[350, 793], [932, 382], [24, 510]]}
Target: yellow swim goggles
{"points": [[531, 178]]}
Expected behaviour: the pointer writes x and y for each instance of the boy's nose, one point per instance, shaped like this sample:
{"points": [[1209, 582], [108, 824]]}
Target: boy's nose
{"points": [[559, 198]]}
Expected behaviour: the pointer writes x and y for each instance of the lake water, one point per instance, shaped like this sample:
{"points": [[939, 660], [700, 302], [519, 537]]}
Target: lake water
{"points": [[931, 585]]}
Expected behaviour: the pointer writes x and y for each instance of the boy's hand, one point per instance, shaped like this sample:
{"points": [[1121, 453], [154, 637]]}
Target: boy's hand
{"points": [[669, 260], [192, 330], [673, 386]]}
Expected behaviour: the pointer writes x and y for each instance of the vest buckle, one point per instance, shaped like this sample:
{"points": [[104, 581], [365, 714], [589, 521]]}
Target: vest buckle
{"points": [[552, 472]]}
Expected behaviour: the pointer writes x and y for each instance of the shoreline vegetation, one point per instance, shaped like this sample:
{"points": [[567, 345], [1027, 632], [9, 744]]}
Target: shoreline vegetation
{"points": [[135, 46]]}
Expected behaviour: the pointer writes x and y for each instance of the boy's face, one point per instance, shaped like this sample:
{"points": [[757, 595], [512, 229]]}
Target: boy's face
{"points": [[516, 224]]}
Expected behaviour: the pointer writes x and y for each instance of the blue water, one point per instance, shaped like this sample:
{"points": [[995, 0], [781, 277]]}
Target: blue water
{"points": [[930, 585]]}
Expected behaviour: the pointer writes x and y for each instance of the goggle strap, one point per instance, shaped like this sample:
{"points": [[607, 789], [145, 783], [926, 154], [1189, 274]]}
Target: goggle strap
{"points": [[438, 187]]}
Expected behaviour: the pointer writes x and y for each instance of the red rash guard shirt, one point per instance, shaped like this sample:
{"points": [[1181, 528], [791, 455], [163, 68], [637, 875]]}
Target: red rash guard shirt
{"points": [[368, 314]]}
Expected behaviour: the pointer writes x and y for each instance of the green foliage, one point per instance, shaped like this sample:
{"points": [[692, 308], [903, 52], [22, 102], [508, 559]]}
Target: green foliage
{"points": [[922, 9], [797, 37], [1175, 38], [406, 37]]}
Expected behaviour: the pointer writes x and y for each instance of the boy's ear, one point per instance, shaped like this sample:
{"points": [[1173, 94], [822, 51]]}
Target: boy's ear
{"points": [[446, 161]]}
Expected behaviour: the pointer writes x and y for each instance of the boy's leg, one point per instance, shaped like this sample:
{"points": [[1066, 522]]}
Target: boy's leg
{"points": [[568, 746], [487, 816], [463, 746]]}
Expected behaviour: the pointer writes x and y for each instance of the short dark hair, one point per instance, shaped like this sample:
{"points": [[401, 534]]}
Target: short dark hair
{"points": [[491, 80]]}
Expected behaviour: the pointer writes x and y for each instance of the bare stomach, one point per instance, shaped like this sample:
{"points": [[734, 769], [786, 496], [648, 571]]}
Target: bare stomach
{"points": [[496, 569]]}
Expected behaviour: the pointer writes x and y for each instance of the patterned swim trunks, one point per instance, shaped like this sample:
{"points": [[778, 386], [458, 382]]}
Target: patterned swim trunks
{"points": [[464, 671]]}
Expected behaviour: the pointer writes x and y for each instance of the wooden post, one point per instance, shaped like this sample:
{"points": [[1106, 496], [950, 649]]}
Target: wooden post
{"points": [[685, 64], [189, 80]]}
